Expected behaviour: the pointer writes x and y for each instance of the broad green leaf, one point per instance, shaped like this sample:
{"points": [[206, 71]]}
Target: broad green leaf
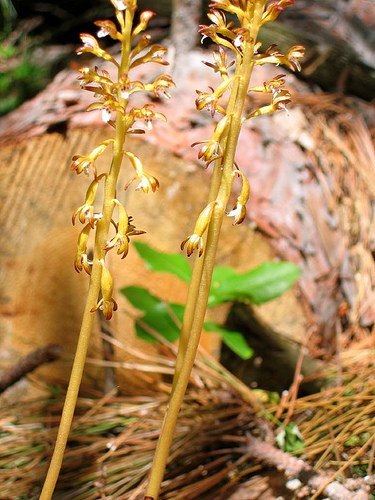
{"points": [[142, 334], [264, 283], [234, 340], [160, 316], [139, 297], [220, 277], [171, 263], [160, 319]]}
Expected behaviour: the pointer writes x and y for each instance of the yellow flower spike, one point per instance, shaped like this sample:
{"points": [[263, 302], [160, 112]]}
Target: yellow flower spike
{"points": [[121, 238], [81, 259], [107, 104], [242, 38], [221, 66], [107, 304], [144, 42], [135, 161], [147, 181], [119, 4], [111, 93], [279, 101], [245, 190], [147, 114], [229, 6], [293, 55], [144, 20], [211, 148], [220, 128], [155, 55], [239, 210], [271, 87], [108, 28], [210, 100], [86, 211], [81, 163], [91, 45], [274, 56], [92, 76], [123, 218], [195, 241], [239, 214], [274, 9], [208, 150], [161, 85]]}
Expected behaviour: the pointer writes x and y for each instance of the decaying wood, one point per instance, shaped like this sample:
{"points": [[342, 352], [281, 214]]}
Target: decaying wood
{"points": [[296, 166]]}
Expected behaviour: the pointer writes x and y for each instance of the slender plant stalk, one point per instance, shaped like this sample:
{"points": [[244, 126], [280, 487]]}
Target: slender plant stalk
{"points": [[113, 97], [211, 219]]}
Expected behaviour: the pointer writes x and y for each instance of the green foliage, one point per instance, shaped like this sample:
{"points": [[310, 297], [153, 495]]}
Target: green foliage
{"points": [[264, 283], [234, 340], [358, 440], [164, 262], [159, 316], [259, 285], [21, 81], [289, 438]]}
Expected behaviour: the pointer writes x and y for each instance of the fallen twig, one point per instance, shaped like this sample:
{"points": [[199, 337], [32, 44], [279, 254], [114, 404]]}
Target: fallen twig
{"points": [[28, 364], [299, 469]]}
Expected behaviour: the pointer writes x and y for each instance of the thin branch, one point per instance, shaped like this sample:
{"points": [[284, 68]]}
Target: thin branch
{"points": [[28, 364]]}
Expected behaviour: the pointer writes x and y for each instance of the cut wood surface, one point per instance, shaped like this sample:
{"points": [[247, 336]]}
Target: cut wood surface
{"points": [[303, 168]]}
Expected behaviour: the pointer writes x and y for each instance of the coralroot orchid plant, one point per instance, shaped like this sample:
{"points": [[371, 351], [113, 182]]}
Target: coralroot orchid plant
{"points": [[227, 101], [112, 98]]}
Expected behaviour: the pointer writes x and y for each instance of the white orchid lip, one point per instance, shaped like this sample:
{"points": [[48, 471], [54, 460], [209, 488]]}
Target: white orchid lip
{"points": [[102, 33], [88, 41], [119, 4], [106, 115], [238, 212]]}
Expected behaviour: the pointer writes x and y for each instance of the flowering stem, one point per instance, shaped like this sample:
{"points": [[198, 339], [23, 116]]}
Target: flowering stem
{"points": [[196, 277], [203, 269], [101, 237]]}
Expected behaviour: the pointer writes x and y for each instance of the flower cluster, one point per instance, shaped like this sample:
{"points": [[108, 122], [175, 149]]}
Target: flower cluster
{"points": [[240, 39], [112, 96]]}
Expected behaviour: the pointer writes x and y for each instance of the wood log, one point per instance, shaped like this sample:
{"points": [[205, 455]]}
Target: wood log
{"points": [[292, 213]]}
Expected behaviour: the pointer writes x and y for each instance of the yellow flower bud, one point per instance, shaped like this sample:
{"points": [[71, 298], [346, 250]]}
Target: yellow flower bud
{"points": [[81, 260], [86, 211], [239, 211], [195, 241], [107, 304]]}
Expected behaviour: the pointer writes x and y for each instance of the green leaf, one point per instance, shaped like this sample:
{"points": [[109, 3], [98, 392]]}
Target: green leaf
{"points": [[142, 334], [160, 316], [171, 263], [264, 283], [221, 276], [234, 340], [160, 319], [289, 438], [139, 297]]}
